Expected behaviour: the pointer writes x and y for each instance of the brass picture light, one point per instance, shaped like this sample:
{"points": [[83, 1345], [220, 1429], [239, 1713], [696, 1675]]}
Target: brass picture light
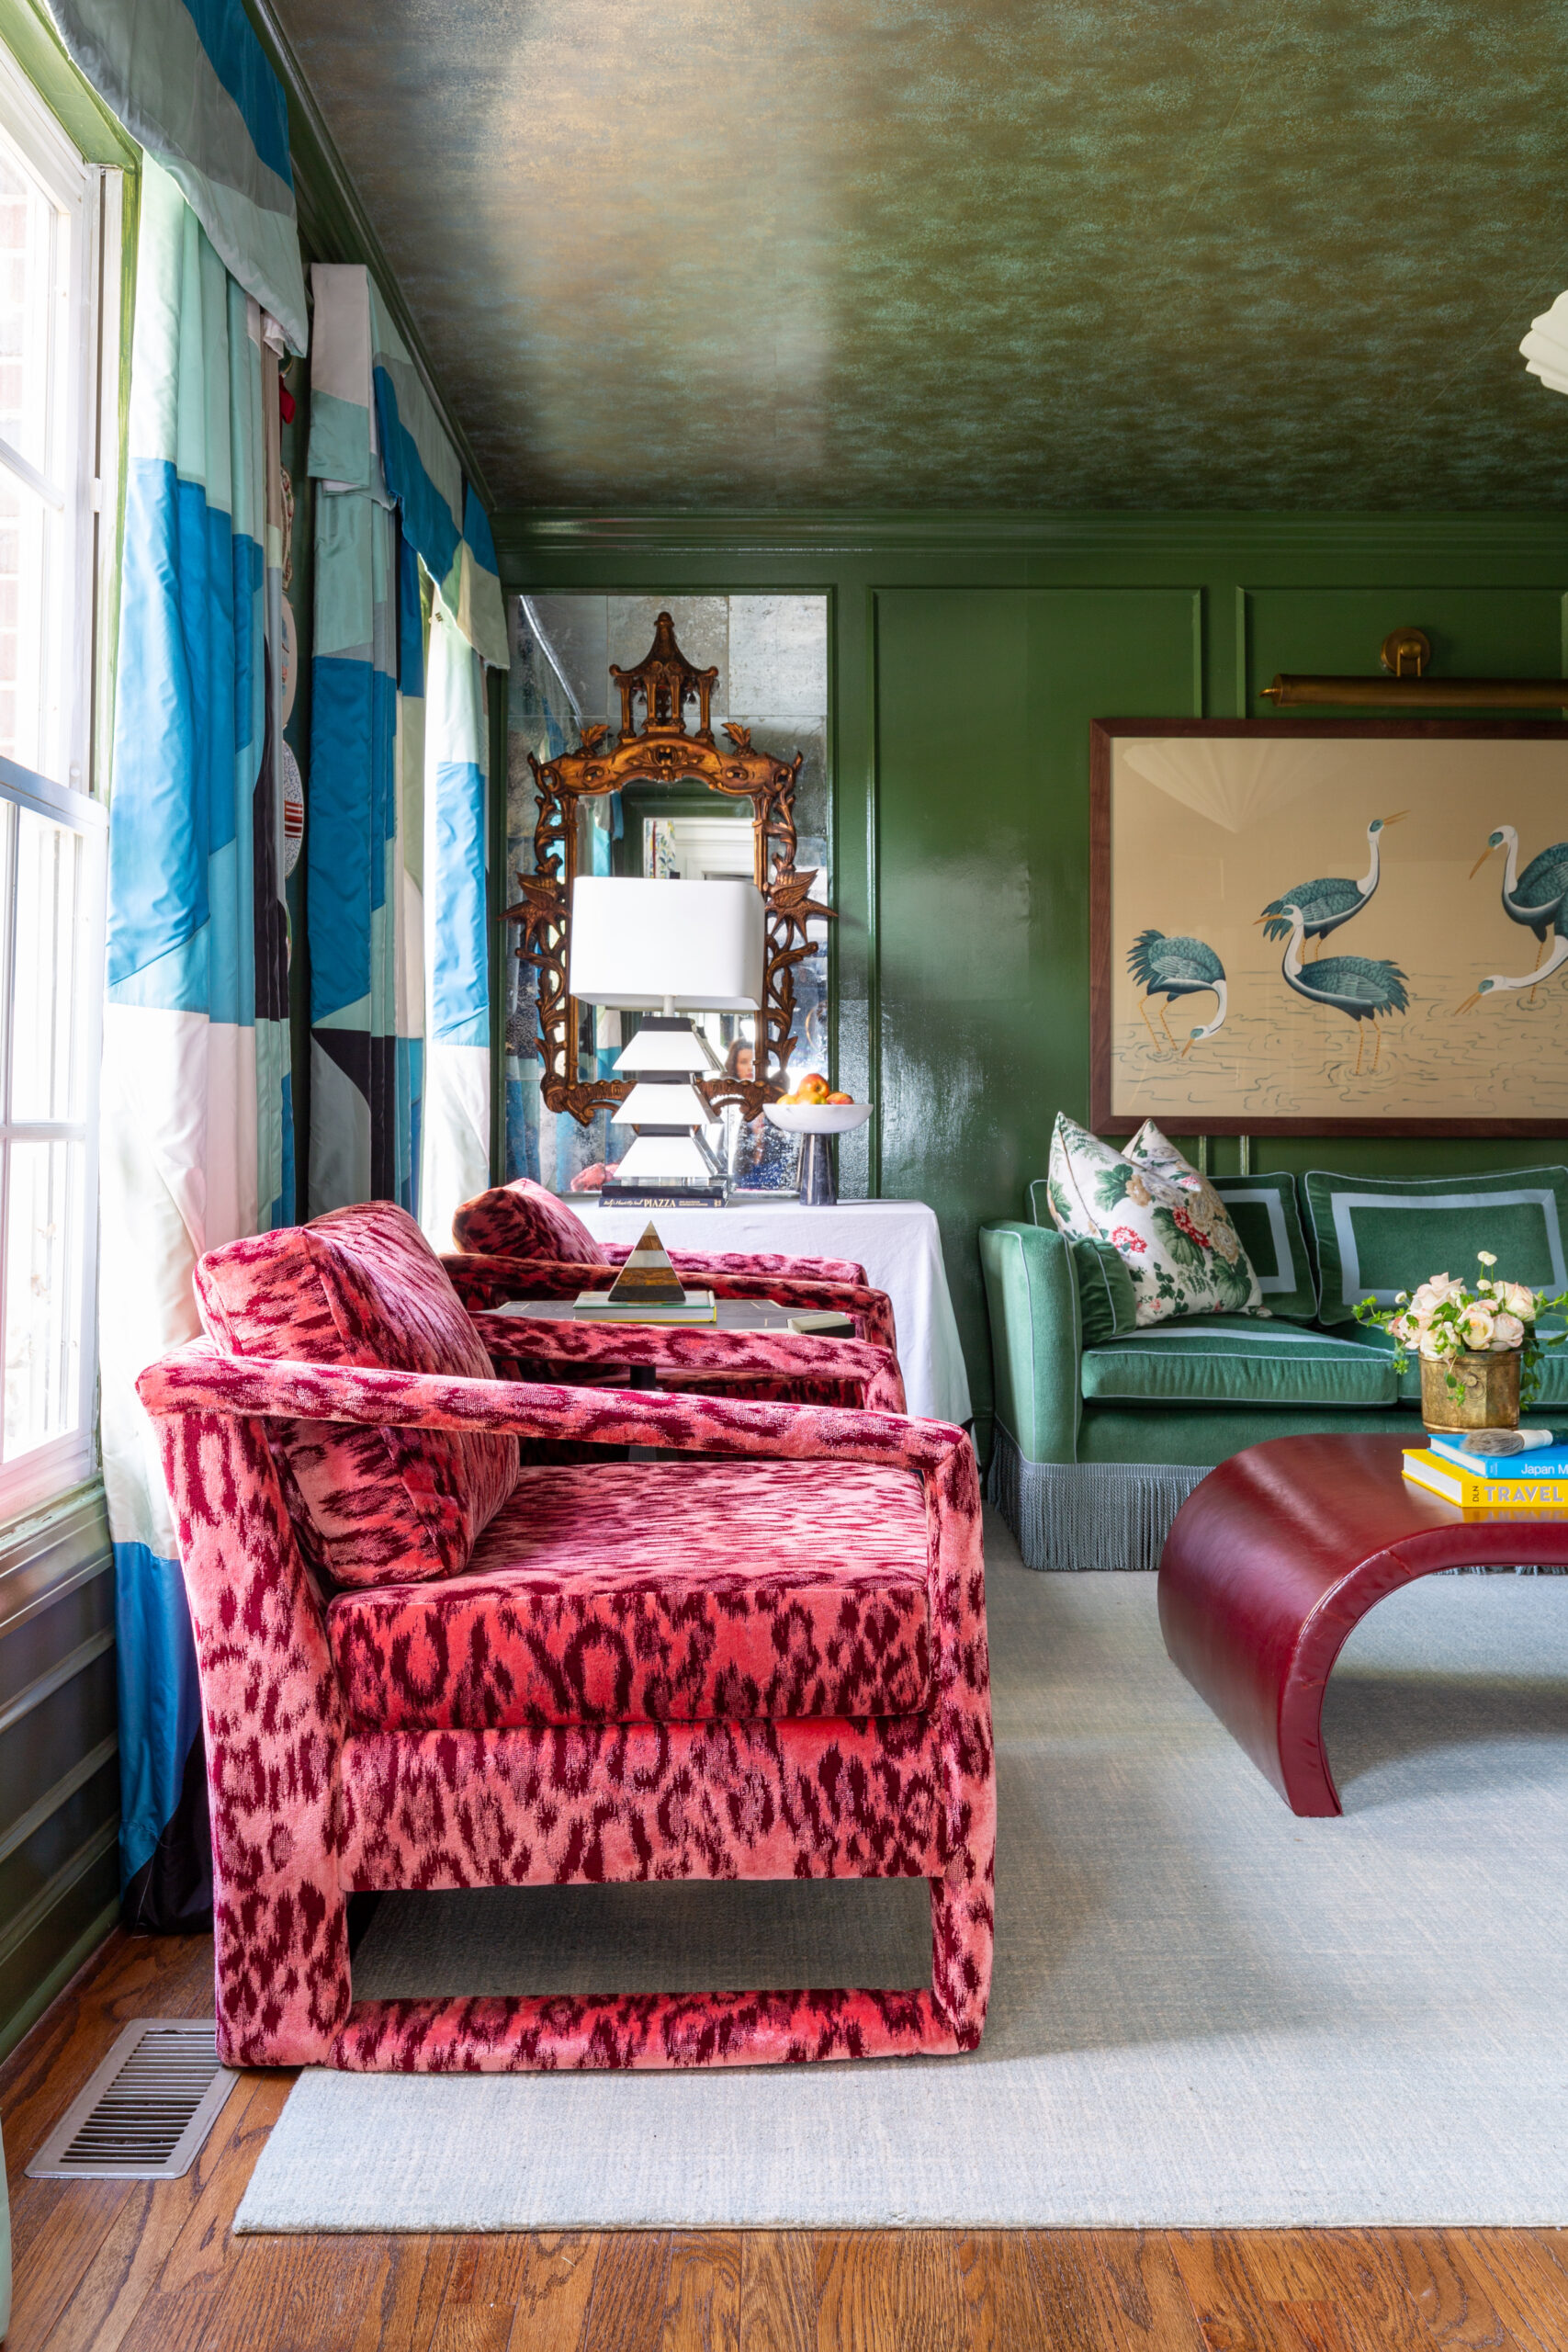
{"points": [[1404, 685]]}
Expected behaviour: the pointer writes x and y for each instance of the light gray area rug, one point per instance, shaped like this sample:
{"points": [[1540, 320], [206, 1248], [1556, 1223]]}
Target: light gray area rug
{"points": [[1205, 2012]]}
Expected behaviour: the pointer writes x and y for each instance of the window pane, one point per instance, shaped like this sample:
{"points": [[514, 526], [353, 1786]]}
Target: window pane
{"points": [[29, 684], [43, 1258], [31, 238], [46, 1055]]}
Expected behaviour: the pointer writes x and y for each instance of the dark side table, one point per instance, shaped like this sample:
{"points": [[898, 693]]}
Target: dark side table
{"points": [[1283, 1548]]}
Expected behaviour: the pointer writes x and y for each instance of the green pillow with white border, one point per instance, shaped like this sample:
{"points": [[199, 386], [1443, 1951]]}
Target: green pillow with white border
{"points": [[1264, 1211], [1377, 1236], [1174, 1237]]}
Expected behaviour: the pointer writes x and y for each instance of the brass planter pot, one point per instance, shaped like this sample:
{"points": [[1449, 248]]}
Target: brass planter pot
{"points": [[1491, 1399]]}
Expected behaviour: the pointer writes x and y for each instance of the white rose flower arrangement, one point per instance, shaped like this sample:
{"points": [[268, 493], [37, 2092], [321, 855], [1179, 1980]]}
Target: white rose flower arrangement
{"points": [[1443, 1320]]}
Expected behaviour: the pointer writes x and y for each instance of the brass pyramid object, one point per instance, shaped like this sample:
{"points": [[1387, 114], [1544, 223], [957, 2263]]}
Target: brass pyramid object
{"points": [[647, 1279]]}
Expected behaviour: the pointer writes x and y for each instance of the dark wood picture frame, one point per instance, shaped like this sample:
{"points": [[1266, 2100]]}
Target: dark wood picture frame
{"points": [[1104, 733]]}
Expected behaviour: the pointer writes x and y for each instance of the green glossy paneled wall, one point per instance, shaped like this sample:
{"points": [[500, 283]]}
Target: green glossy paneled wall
{"points": [[970, 654]]}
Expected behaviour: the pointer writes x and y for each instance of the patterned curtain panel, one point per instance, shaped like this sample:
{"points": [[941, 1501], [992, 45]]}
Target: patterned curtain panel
{"points": [[400, 999], [365, 833], [456, 1134], [193, 88], [363, 847], [198, 1137]]}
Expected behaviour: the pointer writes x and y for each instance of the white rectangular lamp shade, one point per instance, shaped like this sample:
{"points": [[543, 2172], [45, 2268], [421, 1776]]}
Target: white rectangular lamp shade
{"points": [[697, 946], [663, 1106]]}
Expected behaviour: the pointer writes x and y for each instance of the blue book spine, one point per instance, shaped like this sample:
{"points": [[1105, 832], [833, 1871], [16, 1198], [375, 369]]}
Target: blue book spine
{"points": [[1535, 1462]]}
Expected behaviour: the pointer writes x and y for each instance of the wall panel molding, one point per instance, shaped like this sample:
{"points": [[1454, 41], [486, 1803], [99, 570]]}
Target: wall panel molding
{"points": [[59, 1750]]}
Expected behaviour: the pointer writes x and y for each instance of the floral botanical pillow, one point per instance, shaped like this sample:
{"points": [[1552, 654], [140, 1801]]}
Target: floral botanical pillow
{"points": [[1152, 1149], [1170, 1230]]}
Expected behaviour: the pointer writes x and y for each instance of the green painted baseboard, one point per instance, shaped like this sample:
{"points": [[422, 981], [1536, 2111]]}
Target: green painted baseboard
{"points": [[23, 2019]]}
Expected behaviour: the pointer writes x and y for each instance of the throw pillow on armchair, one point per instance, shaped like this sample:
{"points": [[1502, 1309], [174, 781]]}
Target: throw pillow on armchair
{"points": [[522, 1220], [362, 1287]]}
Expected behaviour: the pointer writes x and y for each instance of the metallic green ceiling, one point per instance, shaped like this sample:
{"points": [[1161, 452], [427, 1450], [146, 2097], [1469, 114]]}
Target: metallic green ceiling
{"points": [[967, 253]]}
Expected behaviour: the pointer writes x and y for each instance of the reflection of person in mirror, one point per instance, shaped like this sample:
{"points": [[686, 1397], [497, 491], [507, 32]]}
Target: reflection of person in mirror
{"points": [[810, 1024], [743, 1139], [759, 1156]]}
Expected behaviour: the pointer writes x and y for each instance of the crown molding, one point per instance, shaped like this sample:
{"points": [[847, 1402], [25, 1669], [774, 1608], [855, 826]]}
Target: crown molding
{"points": [[334, 223], [523, 534]]}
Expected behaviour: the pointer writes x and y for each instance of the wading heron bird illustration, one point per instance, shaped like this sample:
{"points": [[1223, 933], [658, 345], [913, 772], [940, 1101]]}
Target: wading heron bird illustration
{"points": [[1172, 968], [1332, 900], [1360, 986], [1499, 981], [1536, 897]]}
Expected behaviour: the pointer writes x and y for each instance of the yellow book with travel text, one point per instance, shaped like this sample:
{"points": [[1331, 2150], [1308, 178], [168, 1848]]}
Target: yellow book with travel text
{"points": [[1442, 1476]]}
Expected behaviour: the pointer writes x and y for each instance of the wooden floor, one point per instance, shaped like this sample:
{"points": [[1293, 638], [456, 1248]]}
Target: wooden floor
{"points": [[153, 2267]]}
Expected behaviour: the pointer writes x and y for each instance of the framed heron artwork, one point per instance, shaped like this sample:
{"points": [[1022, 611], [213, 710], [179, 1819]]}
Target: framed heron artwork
{"points": [[1313, 927]]}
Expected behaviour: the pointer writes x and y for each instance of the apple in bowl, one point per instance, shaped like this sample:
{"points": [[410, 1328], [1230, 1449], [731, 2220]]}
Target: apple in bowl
{"points": [[815, 1109]]}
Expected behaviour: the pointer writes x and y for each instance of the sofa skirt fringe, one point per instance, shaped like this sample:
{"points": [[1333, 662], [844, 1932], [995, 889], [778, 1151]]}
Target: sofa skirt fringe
{"points": [[1069, 1516], [1076, 1515]]}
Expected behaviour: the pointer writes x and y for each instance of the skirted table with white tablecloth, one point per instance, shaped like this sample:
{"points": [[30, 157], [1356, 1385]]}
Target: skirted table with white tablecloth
{"points": [[897, 1242]]}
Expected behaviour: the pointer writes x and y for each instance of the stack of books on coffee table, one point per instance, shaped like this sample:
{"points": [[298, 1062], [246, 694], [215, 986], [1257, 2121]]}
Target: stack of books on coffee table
{"points": [[1483, 1472]]}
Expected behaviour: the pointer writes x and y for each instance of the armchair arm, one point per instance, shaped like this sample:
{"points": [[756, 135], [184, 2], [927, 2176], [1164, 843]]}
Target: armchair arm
{"points": [[1037, 1338], [199, 1378], [692, 1351], [771, 1263], [482, 1281]]}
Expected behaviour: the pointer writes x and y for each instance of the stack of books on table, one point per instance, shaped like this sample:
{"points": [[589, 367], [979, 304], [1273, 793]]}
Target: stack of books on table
{"points": [[1531, 1479]]}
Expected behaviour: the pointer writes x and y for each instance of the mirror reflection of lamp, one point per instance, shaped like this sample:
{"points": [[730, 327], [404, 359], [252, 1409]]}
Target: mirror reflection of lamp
{"points": [[666, 950]]}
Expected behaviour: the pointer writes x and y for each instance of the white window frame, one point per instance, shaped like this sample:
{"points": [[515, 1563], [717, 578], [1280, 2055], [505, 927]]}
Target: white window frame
{"points": [[64, 1461], [80, 478]]}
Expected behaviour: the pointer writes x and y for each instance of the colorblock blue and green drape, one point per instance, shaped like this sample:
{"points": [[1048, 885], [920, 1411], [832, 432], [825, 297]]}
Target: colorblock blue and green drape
{"points": [[407, 596], [197, 1117], [456, 1129], [197, 1141], [188, 80]]}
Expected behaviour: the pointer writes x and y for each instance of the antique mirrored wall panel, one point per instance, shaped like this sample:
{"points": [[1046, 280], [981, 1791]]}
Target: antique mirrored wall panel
{"points": [[771, 656]]}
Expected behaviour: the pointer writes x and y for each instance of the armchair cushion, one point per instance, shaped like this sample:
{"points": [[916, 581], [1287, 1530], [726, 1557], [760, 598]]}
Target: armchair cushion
{"points": [[362, 1287], [644, 1593], [524, 1220]]}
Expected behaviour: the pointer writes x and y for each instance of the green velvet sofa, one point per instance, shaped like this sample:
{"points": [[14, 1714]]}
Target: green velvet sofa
{"points": [[1103, 1429]]}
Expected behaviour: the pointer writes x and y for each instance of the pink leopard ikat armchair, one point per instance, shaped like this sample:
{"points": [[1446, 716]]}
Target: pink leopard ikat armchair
{"points": [[433, 1655], [550, 1253]]}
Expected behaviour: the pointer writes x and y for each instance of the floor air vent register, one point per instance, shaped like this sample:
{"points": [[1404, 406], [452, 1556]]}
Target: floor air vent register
{"points": [[147, 2112]]}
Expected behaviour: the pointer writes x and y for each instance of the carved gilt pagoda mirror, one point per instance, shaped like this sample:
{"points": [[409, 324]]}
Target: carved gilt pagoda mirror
{"points": [[663, 787]]}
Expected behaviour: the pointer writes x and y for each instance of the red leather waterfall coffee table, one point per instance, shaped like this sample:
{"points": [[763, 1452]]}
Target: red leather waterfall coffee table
{"points": [[1280, 1551]]}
